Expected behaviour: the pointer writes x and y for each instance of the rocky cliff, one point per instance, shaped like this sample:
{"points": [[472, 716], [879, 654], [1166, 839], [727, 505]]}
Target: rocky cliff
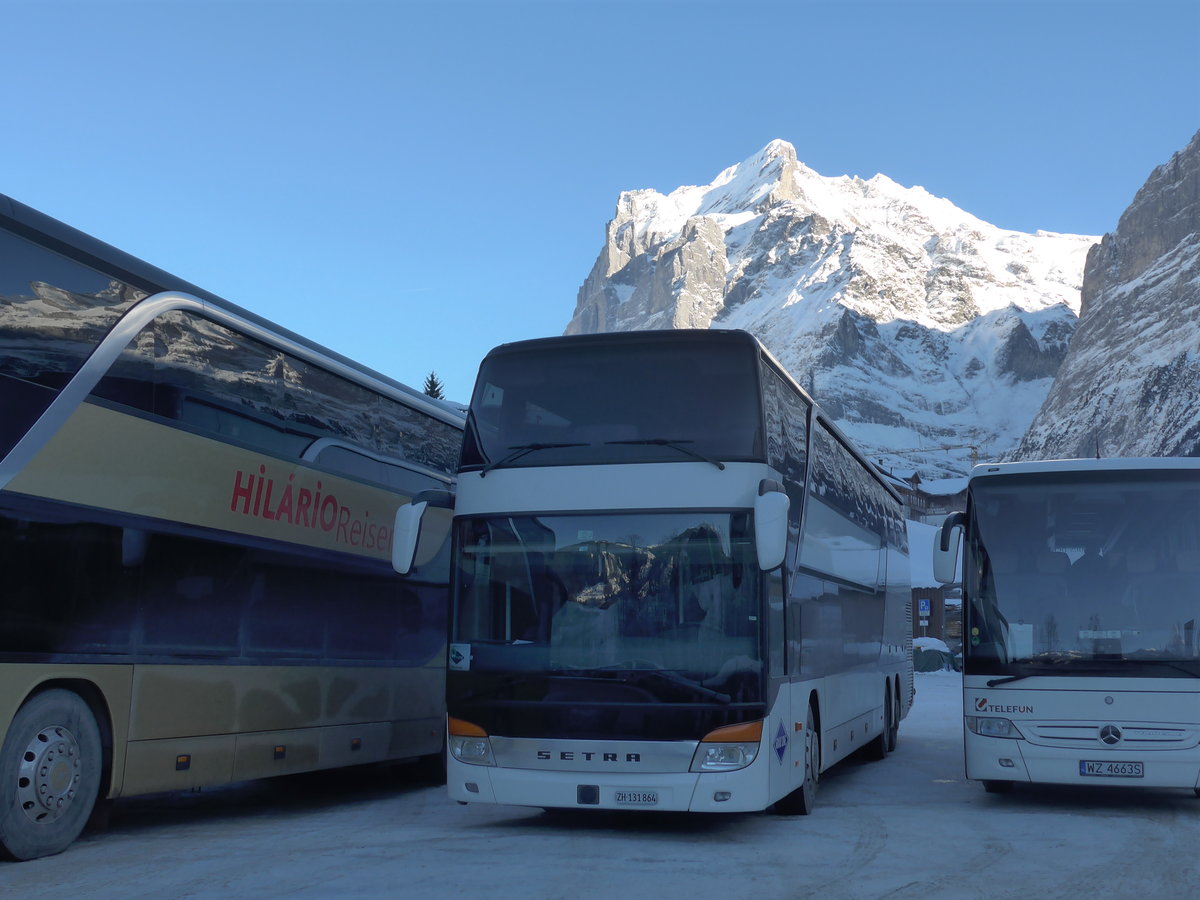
{"points": [[1130, 382]]}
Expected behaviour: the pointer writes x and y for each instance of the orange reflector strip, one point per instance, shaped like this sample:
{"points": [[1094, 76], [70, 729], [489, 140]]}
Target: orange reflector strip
{"points": [[459, 728], [748, 732]]}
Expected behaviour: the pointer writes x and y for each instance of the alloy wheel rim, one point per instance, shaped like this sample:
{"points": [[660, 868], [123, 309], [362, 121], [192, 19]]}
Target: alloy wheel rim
{"points": [[49, 775]]}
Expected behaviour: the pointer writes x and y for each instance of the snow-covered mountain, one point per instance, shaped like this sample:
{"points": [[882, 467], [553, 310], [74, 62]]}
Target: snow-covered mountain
{"points": [[916, 325], [1130, 383]]}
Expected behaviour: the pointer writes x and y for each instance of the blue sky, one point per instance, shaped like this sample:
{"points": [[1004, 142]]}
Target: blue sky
{"points": [[411, 183]]}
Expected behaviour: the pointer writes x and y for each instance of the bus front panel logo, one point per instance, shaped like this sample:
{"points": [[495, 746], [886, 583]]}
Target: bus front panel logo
{"points": [[982, 705], [460, 657], [1110, 734]]}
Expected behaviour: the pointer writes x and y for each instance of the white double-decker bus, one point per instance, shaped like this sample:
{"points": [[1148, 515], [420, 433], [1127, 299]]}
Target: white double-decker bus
{"points": [[1081, 594], [675, 586]]}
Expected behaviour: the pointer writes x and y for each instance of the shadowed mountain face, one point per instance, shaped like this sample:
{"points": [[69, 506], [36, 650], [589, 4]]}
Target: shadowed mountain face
{"points": [[916, 325], [1130, 383]]}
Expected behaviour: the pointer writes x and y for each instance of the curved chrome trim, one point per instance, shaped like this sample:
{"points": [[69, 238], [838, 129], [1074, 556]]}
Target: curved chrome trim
{"points": [[313, 452], [131, 324]]}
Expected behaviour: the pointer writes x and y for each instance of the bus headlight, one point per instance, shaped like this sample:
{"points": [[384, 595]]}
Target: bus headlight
{"points": [[468, 743], [987, 726], [729, 748]]}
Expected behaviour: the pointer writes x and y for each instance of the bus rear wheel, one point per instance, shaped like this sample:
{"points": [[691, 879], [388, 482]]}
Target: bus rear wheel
{"points": [[49, 775], [894, 730], [882, 744]]}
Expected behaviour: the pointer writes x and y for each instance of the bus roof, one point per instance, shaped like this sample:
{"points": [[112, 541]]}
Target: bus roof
{"points": [[1074, 466], [699, 336], [78, 245], [672, 335]]}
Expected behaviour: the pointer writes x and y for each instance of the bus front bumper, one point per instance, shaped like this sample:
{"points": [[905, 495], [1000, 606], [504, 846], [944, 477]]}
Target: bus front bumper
{"points": [[677, 792], [1000, 759]]}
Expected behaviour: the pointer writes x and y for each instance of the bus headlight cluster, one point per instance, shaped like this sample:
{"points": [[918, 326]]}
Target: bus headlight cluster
{"points": [[723, 757], [729, 748], [469, 743], [987, 726]]}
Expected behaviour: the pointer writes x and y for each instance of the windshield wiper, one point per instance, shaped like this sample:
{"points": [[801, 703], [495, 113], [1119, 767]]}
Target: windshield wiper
{"points": [[604, 673], [996, 682], [503, 684], [1067, 667], [627, 675], [1180, 665], [674, 445], [1044, 661], [681, 681], [520, 450]]}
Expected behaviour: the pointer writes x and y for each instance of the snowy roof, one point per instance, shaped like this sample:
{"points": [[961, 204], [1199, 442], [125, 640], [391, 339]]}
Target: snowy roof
{"points": [[930, 643], [944, 486]]}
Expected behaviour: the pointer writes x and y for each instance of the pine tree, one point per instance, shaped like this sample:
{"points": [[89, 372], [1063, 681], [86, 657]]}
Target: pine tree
{"points": [[433, 386]]}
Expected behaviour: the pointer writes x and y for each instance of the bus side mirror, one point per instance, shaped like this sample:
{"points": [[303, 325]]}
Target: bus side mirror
{"points": [[945, 548], [770, 524], [411, 526], [405, 533]]}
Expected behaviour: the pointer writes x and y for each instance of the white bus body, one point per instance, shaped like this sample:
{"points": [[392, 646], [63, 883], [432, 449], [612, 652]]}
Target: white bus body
{"points": [[692, 615], [1081, 594]]}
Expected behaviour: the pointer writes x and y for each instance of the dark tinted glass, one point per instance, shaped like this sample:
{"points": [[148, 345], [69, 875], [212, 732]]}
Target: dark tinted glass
{"points": [[846, 518], [622, 402], [786, 417], [787, 425], [53, 312], [844, 484], [124, 593], [1076, 569], [187, 368]]}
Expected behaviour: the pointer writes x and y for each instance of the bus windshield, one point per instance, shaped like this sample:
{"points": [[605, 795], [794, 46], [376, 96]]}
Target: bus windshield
{"points": [[608, 593], [1088, 573], [652, 400]]}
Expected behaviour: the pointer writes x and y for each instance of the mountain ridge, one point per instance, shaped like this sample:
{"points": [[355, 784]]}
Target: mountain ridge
{"points": [[913, 323]]}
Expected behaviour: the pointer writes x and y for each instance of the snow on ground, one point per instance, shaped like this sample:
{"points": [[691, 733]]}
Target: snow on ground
{"points": [[907, 827]]}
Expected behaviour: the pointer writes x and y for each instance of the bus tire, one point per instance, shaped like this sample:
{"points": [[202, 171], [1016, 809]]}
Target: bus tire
{"points": [[50, 766], [801, 801], [882, 744], [894, 732], [997, 787]]}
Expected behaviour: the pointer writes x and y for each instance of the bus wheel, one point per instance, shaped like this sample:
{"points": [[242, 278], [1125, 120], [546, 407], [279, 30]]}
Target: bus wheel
{"points": [[801, 801], [49, 775], [881, 745], [894, 732], [998, 787]]}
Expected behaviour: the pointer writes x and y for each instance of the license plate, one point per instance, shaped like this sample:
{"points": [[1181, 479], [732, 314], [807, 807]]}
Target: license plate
{"points": [[1105, 769], [635, 798]]}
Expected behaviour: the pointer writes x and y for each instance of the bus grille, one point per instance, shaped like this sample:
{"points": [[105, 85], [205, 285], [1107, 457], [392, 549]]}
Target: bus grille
{"points": [[1111, 735]]}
